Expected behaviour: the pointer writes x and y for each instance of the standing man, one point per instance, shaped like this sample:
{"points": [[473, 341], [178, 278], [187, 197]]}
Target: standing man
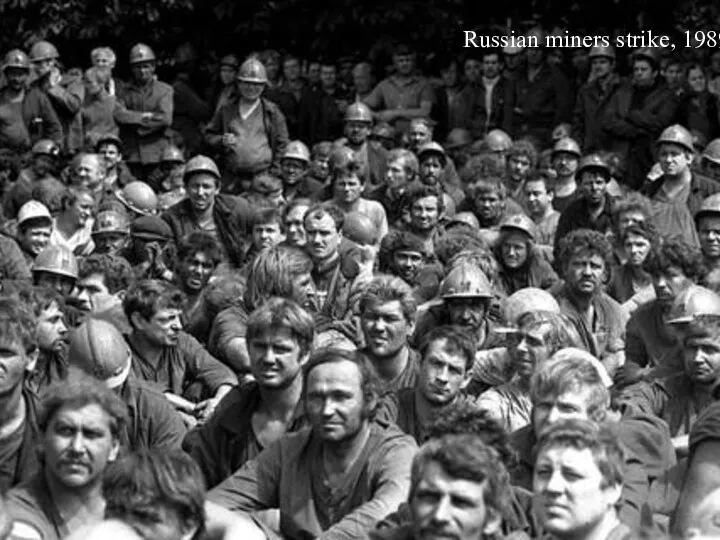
{"points": [[144, 112], [249, 131], [371, 158]]}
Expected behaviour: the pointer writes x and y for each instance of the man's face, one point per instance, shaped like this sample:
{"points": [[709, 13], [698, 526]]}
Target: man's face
{"points": [[466, 312], [323, 238], [701, 358], [538, 197], [673, 75], [450, 75], [424, 214], [419, 134], [163, 328], [674, 159], [195, 271], [443, 374], [565, 163], [404, 64], [111, 154], [93, 296], [491, 66], [291, 69], [347, 188], [601, 67], [43, 67], [294, 226], [16, 78], [696, 80], [109, 242], [228, 75], [630, 217], [643, 74], [143, 72], [709, 232], [267, 235], [518, 167], [14, 360], [88, 173], [385, 328], [430, 170], [669, 284], [328, 76], [356, 131], [275, 358], [535, 56], [593, 184], [35, 238], [489, 206], [407, 264], [57, 282], [158, 521], [43, 164], [473, 70], [514, 250], [293, 170], [396, 177], [362, 80], [251, 91], [570, 493], [78, 445], [201, 190], [313, 72], [527, 348], [636, 248], [569, 405], [443, 506], [82, 209], [320, 167], [585, 273], [52, 332], [334, 401]]}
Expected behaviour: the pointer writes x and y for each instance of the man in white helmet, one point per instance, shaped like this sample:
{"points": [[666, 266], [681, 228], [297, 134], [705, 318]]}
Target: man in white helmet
{"points": [[372, 159]]}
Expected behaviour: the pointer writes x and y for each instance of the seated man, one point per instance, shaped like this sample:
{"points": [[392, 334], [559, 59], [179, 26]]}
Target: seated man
{"points": [[102, 283], [251, 417], [447, 355], [192, 379], [578, 481], [341, 476], [80, 421]]}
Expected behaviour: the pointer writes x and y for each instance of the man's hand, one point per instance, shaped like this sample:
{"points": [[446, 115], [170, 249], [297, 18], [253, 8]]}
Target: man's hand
{"points": [[54, 77], [204, 409], [147, 117]]}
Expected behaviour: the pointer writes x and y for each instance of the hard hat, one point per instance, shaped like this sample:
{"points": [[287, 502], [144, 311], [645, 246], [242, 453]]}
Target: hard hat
{"points": [[694, 303], [200, 164], [593, 161], [109, 138], [230, 60], [98, 348], [465, 281], [141, 53], [46, 147], [647, 53], [528, 299], [43, 50], [710, 206], [16, 59], [138, 197], [360, 229], [33, 210], [498, 141], [296, 150], [340, 158], [676, 134], [561, 131], [568, 145], [512, 50], [431, 148], [111, 221], [468, 218], [252, 70], [151, 228], [56, 259], [383, 130], [712, 151], [602, 52], [358, 112], [172, 154], [519, 222], [457, 138]]}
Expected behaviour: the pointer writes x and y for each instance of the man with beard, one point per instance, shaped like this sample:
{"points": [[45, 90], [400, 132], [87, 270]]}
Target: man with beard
{"points": [[447, 355], [52, 332], [636, 114], [80, 422], [206, 209], [27, 117], [372, 159], [251, 417], [593, 209], [144, 113], [294, 163], [651, 348], [341, 476], [679, 192], [167, 357], [707, 222], [387, 320], [583, 257]]}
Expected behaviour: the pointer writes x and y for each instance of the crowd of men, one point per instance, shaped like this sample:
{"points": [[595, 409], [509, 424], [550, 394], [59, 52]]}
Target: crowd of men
{"points": [[475, 301]]}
